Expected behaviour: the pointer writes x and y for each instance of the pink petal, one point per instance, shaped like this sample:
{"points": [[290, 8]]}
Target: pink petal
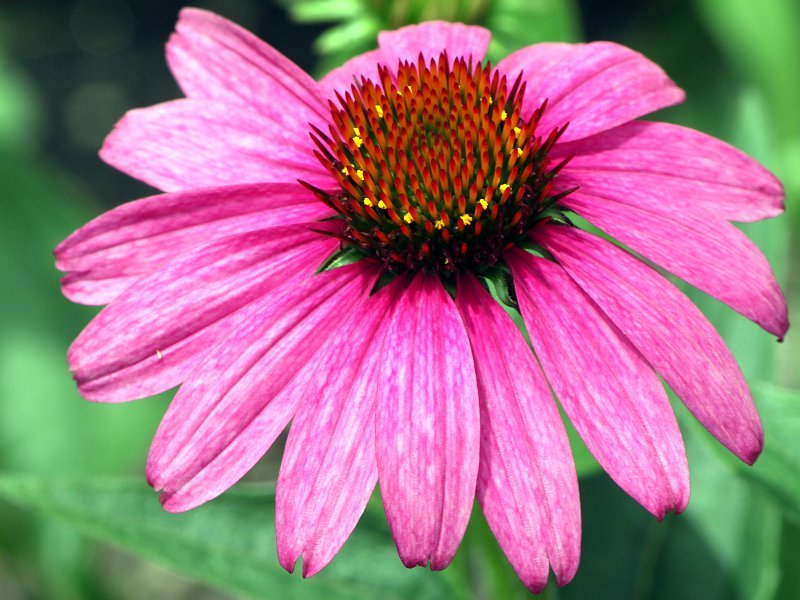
{"points": [[329, 469], [668, 167], [427, 425], [609, 392], [533, 59], [431, 39], [114, 250], [708, 252], [342, 78], [96, 287], [527, 484], [241, 397], [144, 341], [593, 87], [201, 143], [669, 331], [215, 59]]}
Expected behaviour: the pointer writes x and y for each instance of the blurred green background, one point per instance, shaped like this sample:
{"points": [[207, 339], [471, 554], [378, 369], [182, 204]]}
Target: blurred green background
{"points": [[77, 519]]}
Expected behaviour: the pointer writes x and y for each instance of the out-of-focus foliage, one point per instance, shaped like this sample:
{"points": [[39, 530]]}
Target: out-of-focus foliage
{"points": [[356, 23], [740, 536], [230, 544]]}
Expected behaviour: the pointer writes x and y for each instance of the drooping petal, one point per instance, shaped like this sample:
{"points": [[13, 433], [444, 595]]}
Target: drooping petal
{"points": [[609, 392], [329, 468], [668, 167], [215, 59], [144, 341], [186, 144], [527, 484], [593, 87], [431, 39], [707, 252], [427, 425], [238, 400], [669, 331], [341, 78], [105, 256]]}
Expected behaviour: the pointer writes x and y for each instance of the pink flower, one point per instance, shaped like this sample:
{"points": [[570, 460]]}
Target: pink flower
{"points": [[438, 172]]}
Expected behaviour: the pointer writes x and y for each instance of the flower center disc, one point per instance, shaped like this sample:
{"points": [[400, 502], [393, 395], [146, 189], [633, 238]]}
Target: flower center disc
{"points": [[437, 167]]}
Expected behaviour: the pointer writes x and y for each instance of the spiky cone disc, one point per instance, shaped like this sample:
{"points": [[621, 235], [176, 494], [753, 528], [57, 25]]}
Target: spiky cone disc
{"points": [[437, 167]]}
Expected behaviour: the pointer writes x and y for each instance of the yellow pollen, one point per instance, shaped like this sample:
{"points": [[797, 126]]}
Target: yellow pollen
{"points": [[503, 116], [367, 202], [410, 90], [381, 204], [517, 131], [439, 224], [379, 111], [491, 100], [408, 218], [344, 171], [520, 151], [360, 174], [466, 219], [483, 203], [358, 141], [504, 187], [356, 131]]}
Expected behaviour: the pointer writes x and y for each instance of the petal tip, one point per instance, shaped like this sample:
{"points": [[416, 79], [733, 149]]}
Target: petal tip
{"points": [[169, 503], [750, 455], [288, 560], [534, 582], [174, 502], [311, 566], [440, 563], [153, 473]]}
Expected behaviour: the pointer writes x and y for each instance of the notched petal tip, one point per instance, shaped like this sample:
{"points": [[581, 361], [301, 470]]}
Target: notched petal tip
{"points": [[288, 560], [152, 479], [171, 504], [440, 563], [674, 506], [311, 567], [175, 499]]}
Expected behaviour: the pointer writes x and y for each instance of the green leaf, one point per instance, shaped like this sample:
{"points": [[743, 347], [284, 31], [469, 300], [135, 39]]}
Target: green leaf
{"points": [[790, 574], [761, 40], [518, 23], [345, 256], [738, 523], [726, 545], [499, 282], [362, 30], [229, 543], [321, 11], [356, 23], [777, 470]]}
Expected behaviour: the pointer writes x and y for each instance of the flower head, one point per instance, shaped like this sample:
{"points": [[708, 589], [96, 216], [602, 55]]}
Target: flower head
{"points": [[434, 177], [435, 142]]}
